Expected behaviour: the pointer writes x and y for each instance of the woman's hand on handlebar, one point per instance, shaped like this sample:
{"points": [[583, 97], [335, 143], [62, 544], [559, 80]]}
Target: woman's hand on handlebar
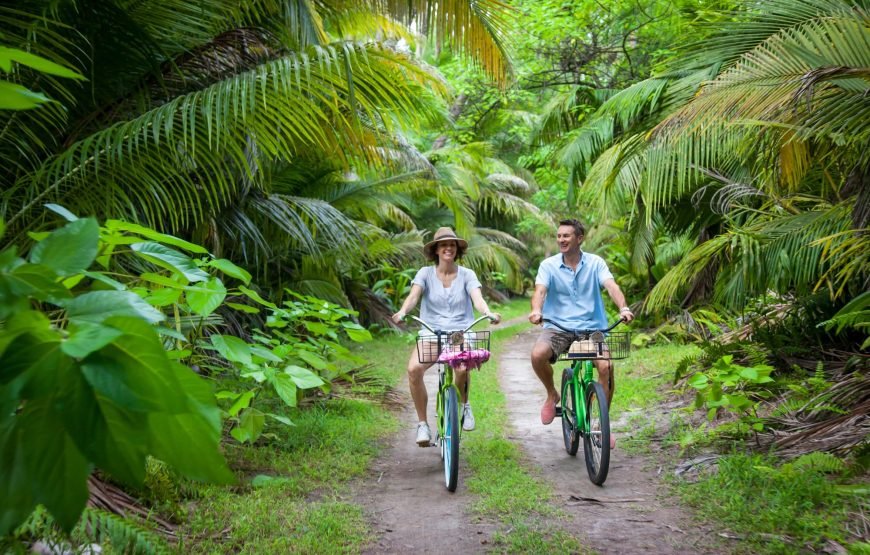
{"points": [[536, 317], [494, 317], [626, 314], [398, 316]]}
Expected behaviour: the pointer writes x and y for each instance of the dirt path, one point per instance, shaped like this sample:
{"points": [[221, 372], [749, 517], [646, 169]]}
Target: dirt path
{"points": [[627, 514], [405, 499], [411, 511]]}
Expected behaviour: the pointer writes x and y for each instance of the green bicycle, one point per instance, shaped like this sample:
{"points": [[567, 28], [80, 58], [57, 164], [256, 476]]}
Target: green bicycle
{"points": [[449, 350], [584, 409]]}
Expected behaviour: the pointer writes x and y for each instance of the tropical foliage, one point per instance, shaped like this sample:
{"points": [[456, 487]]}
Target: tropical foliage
{"points": [[269, 133]]}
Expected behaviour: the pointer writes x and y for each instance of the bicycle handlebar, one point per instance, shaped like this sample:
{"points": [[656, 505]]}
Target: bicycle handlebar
{"points": [[446, 332], [582, 332]]}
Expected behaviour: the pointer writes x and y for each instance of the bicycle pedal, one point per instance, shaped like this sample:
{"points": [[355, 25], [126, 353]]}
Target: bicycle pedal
{"points": [[558, 412]]}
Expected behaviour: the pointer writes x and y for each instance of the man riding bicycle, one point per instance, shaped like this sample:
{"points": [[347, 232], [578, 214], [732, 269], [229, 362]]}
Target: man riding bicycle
{"points": [[568, 292]]}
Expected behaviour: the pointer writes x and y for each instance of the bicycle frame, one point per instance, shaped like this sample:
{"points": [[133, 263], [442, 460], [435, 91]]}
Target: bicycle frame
{"points": [[582, 376], [448, 424], [445, 371]]}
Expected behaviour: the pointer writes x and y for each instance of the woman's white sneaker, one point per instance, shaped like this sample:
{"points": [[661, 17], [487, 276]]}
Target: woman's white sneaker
{"points": [[467, 418], [424, 437]]}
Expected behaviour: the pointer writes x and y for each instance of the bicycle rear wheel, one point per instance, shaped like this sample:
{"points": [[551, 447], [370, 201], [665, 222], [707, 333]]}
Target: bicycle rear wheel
{"points": [[570, 430], [450, 441], [596, 439]]}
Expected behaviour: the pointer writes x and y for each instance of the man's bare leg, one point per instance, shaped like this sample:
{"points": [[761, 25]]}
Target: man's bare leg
{"points": [[541, 354]]}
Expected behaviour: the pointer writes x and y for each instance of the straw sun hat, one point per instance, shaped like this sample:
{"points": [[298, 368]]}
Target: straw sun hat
{"points": [[443, 234]]}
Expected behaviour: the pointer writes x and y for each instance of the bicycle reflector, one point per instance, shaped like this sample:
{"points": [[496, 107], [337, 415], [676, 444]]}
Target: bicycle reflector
{"points": [[597, 337], [457, 338]]}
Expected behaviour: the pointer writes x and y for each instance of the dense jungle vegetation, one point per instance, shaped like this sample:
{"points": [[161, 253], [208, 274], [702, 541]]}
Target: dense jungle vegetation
{"points": [[206, 205]]}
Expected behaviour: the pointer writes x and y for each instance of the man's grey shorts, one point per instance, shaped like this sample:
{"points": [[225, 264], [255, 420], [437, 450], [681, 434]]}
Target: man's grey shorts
{"points": [[557, 340]]}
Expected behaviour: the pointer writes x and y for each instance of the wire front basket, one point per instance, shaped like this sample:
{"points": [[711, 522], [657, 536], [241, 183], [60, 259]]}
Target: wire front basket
{"points": [[614, 345], [443, 348]]}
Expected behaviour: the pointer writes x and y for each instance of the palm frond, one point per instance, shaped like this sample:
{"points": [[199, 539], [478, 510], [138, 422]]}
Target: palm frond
{"points": [[203, 136]]}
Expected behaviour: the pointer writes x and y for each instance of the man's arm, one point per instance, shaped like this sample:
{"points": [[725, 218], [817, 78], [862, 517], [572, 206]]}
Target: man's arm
{"points": [[618, 299], [538, 304]]}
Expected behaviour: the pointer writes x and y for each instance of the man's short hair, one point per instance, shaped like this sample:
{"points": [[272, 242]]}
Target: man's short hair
{"points": [[579, 230]]}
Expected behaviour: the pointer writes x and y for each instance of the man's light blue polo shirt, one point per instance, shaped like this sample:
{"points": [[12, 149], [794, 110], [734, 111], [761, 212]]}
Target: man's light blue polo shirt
{"points": [[574, 298]]}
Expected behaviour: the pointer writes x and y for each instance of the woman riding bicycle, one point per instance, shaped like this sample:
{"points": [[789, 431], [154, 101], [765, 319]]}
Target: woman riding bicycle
{"points": [[568, 291], [448, 292]]}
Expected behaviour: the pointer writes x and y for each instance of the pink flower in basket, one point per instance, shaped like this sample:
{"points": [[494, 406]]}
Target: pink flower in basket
{"points": [[465, 360]]}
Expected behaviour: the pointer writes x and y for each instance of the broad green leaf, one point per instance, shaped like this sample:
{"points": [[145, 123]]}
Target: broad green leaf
{"points": [[285, 388], [134, 370], [170, 282], [72, 281], [317, 328], [749, 373], [178, 355], [264, 353], [207, 297], [256, 297], [242, 402], [281, 419], [303, 377], [88, 338], [103, 278], [96, 306], [257, 375], [70, 249], [232, 348], [30, 366], [189, 442], [698, 381], [164, 296], [250, 426], [231, 269], [8, 55], [26, 321], [39, 464], [170, 332], [147, 232], [112, 436], [359, 335], [226, 394], [37, 281], [170, 259], [16, 97], [312, 359], [185, 442], [244, 308]]}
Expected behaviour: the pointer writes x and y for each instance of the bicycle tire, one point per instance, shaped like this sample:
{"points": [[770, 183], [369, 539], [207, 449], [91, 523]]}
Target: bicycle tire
{"points": [[570, 430], [450, 441], [596, 441]]}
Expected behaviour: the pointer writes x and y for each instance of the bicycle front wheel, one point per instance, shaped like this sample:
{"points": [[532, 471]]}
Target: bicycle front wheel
{"points": [[570, 430], [450, 441], [596, 439]]}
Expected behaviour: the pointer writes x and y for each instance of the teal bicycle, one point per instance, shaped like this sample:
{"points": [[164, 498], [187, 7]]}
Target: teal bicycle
{"points": [[451, 349], [584, 409]]}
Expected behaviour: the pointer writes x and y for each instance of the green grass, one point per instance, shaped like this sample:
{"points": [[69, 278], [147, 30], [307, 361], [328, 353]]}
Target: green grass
{"points": [[288, 497], [777, 509], [494, 470], [641, 383]]}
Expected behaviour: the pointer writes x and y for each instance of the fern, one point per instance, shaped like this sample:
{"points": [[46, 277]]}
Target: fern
{"points": [[683, 366], [95, 526], [789, 406], [819, 461], [124, 535]]}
